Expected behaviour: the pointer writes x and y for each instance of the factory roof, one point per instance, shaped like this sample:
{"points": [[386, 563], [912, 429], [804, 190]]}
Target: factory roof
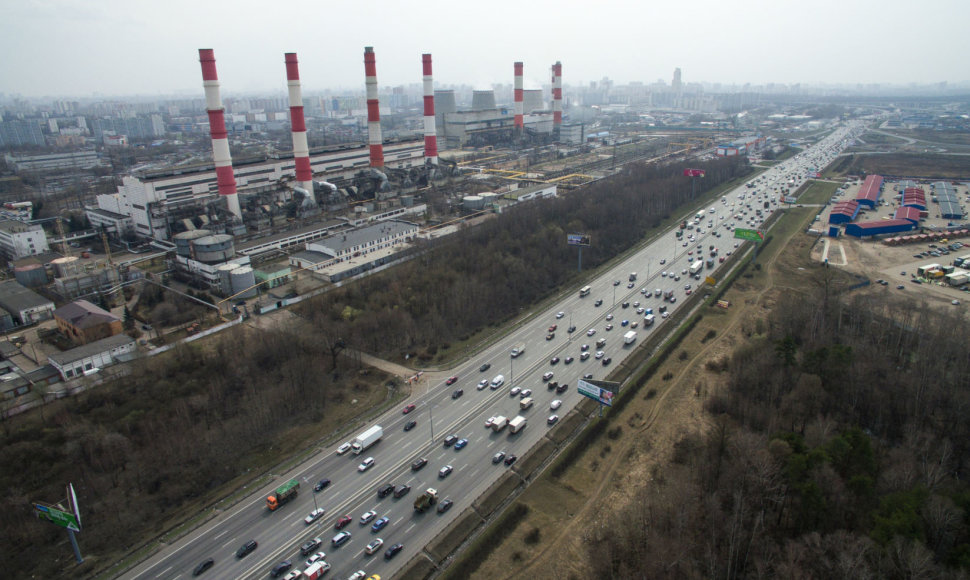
{"points": [[870, 189], [362, 236], [88, 350], [17, 298], [17, 227], [907, 213], [83, 314], [882, 224]]}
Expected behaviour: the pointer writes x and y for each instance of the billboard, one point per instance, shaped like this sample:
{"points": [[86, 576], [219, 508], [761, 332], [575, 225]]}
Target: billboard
{"points": [[600, 391], [577, 239], [789, 199], [750, 235], [57, 516], [693, 173]]}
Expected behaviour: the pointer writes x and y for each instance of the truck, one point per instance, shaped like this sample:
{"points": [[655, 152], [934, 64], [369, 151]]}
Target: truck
{"points": [[316, 570], [668, 294], [710, 263], [517, 424], [499, 423], [648, 320], [518, 349], [366, 439], [283, 494], [426, 500], [525, 403], [629, 337], [680, 234], [696, 267], [633, 276]]}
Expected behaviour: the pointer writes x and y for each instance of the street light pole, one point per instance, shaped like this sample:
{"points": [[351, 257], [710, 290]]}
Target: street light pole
{"points": [[511, 370], [431, 421]]}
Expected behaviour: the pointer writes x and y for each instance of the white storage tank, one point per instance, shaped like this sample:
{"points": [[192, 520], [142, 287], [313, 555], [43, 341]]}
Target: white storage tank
{"points": [[66, 266], [183, 241], [242, 278], [473, 202], [225, 280], [213, 249]]}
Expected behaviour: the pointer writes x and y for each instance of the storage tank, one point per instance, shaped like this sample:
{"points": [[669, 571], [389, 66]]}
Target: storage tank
{"points": [[225, 280], [66, 266], [31, 275], [183, 241], [473, 202], [483, 100], [532, 101], [213, 249], [242, 278]]}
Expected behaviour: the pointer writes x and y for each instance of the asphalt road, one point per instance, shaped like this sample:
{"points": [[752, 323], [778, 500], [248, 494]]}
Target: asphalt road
{"points": [[438, 415]]}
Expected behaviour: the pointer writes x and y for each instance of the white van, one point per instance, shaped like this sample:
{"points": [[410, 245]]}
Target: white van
{"points": [[497, 382]]}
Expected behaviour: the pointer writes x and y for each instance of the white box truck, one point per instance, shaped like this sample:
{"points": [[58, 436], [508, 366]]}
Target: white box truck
{"points": [[649, 319], [525, 403], [518, 349], [366, 439], [499, 423], [696, 267], [629, 337], [517, 424]]}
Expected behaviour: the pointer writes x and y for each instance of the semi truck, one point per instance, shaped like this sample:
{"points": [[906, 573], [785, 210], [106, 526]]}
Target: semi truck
{"points": [[629, 337], [426, 500], [366, 439], [499, 423], [517, 424], [696, 267], [283, 494], [518, 349]]}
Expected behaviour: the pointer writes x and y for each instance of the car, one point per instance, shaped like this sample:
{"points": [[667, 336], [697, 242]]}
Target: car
{"points": [[640, 310], [560, 314], [410, 425], [554, 360], [562, 388], [553, 328], [955, 302], [571, 329], [450, 440], [314, 516], [510, 459], [609, 327], [720, 260], [498, 457], [490, 421], [600, 354], [624, 323], [246, 549], [688, 292], [616, 282], [630, 285], [607, 361], [280, 568], [343, 449], [321, 485], [484, 367], [457, 393], [482, 384], [203, 566], [552, 419], [665, 315], [452, 380], [687, 286], [663, 261], [677, 278], [555, 405], [460, 444], [393, 551], [547, 376], [525, 393], [340, 539], [311, 545], [418, 463], [591, 332], [636, 304], [584, 348], [550, 336], [342, 522], [385, 490], [366, 517], [445, 471], [444, 505], [598, 302], [295, 575], [900, 287], [374, 546], [673, 299], [380, 524], [664, 273], [609, 317], [684, 244], [314, 559], [690, 252], [552, 385], [515, 391], [568, 360], [584, 356], [410, 407], [365, 464]]}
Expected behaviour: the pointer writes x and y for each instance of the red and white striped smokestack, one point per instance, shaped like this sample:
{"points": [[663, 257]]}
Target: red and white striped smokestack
{"points": [[557, 95], [301, 152], [373, 109], [217, 128], [517, 97], [430, 134]]}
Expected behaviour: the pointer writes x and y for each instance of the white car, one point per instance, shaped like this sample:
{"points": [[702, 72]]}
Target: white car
{"points": [[609, 317], [343, 449], [482, 384], [366, 464], [555, 405], [547, 376], [600, 354], [360, 574], [560, 314], [367, 517], [314, 516], [315, 558], [584, 355], [666, 315], [490, 421], [591, 332], [515, 391], [525, 393], [373, 547]]}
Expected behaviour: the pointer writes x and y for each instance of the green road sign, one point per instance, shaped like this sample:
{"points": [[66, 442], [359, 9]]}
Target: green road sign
{"points": [[57, 517], [750, 235]]}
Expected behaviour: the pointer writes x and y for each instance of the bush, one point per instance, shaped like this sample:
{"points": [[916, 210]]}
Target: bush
{"points": [[533, 536], [615, 433], [683, 355]]}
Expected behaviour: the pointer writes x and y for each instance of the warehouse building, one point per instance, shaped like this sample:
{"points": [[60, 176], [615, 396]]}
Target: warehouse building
{"points": [[96, 355], [26, 306], [907, 213], [866, 229], [870, 191], [844, 212]]}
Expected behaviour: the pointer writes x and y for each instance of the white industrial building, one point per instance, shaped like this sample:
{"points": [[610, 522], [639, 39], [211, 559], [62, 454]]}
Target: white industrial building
{"points": [[96, 355], [19, 240], [365, 240]]}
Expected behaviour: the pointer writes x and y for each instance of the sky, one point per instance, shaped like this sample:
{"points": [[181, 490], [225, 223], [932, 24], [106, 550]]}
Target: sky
{"points": [[85, 48]]}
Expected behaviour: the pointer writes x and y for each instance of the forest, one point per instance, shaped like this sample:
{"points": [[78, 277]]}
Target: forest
{"points": [[838, 449]]}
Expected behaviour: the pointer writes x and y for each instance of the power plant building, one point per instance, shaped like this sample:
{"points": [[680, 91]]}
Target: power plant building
{"points": [[19, 240]]}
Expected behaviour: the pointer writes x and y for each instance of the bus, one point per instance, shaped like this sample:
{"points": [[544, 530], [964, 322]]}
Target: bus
{"points": [[584, 291]]}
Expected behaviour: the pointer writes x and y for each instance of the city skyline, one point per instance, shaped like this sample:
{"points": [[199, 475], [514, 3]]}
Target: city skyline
{"points": [[60, 49]]}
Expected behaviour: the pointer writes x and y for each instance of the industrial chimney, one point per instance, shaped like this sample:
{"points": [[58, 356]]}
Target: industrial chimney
{"points": [[373, 109], [517, 98], [217, 128], [430, 136], [301, 152], [556, 95]]}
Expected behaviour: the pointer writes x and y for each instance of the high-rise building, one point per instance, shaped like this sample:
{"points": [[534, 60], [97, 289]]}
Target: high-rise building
{"points": [[676, 84], [18, 133]]}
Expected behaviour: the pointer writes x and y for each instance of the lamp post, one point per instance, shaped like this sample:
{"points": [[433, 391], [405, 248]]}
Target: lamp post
{"points": [[511, 370], [431, 421]]}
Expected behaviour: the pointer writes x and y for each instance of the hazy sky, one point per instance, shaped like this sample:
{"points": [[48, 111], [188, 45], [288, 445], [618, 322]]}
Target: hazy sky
{"points": [[126, 47]]}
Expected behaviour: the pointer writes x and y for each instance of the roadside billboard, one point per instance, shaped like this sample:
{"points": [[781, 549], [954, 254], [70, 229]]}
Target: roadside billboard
{"points": [[750, 235], [57, 516], [577, 239], [600, 391], [693, 173]]}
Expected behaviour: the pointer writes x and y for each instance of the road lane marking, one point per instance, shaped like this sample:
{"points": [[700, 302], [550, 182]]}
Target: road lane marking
{"points": [[163, 572]]}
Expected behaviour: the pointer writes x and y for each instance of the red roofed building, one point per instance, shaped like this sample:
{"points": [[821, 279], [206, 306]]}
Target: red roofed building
{"points": [[870, 190], [84, 322]]}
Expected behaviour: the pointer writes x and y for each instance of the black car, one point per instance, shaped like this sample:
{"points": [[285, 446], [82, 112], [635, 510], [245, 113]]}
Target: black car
{"points": [[205, 565], [562, 388], [280, 568], [418, 463], [598, 302], [571, 329], [552, 385], [588, 376], [392, 551], [385, 490], [484, 367], [321, 485], [445, 505], [510, 459], [310, 545], [450, 440], [457, 393], [246, 549], [625, 305], [607, 361], [410, 425]]}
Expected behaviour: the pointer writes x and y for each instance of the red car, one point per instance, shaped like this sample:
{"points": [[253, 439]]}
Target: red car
{"points": [[342, 521], [553, 328], [451, 380], [409, 408]]}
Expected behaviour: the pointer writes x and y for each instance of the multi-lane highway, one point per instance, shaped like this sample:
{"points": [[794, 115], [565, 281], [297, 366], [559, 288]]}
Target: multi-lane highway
{"points": [[439, 415]]}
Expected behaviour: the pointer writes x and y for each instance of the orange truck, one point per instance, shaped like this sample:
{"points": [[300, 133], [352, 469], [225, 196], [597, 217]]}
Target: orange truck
{"points": [[283, 494]]}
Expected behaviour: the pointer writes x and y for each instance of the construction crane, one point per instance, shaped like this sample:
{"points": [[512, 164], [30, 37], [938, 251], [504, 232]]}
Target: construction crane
{"points": [[65, 248], [107, 250]]}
